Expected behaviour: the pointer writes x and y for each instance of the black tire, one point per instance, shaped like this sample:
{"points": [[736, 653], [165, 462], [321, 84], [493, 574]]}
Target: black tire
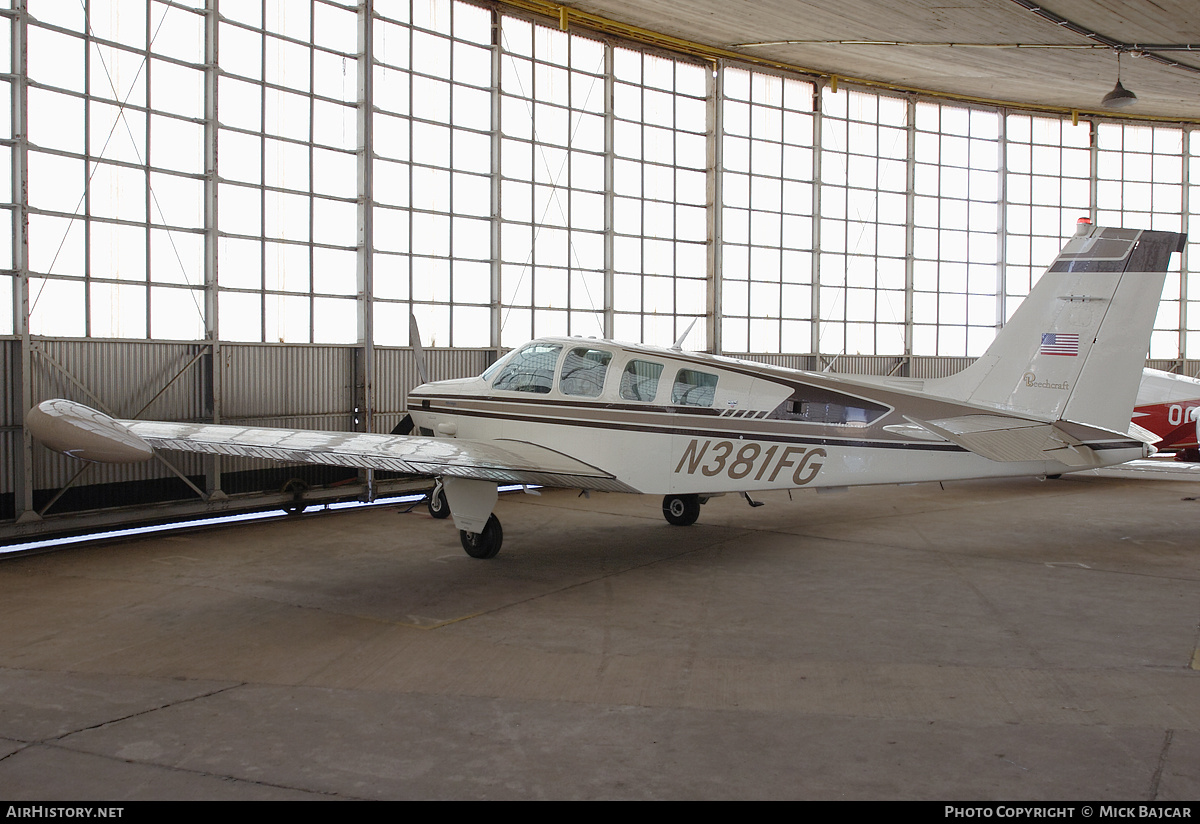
{"points": [[681, 510], [297, 487], [439, 507], [484, 544]]}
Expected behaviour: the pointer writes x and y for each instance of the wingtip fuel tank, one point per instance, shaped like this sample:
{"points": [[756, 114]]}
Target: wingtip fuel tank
{"points": [[85, 433]]}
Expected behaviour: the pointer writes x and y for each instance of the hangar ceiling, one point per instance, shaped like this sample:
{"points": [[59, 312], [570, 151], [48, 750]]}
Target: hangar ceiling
{"points": [[1004, 50]]}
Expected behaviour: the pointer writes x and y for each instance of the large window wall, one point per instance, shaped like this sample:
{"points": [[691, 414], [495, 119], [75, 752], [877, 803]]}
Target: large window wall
{"points": [[432, 172], [286, 95], [1047, 179], [766, 212], [863, 180], [313, 171], [114, 169], [553, 162]]}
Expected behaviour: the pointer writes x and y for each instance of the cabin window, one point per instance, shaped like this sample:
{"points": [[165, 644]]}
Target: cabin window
{"points": [[812, 404], [694, 388], [530, 369], [639, 381], [583, 372]]}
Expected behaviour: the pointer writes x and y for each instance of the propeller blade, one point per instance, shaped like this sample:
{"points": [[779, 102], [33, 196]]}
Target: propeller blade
{"points": [[414, 336]]}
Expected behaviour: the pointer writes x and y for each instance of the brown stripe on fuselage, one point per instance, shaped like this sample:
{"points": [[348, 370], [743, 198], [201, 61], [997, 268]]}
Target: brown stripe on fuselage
{"points": [[668, 420]]}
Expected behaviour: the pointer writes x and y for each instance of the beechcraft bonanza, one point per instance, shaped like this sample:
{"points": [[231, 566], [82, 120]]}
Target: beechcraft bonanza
{"points": [[1052, 394]]}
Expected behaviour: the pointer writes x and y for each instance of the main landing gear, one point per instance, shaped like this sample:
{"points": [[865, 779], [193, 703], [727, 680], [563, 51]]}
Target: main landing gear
{"points": [[681, 510], [472, 499], [484, 544], [438, 506]]}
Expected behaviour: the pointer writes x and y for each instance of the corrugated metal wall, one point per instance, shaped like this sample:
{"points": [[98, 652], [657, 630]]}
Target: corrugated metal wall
{"points": [[309, 387], [10, 426], [145, 379], [396, 373]]}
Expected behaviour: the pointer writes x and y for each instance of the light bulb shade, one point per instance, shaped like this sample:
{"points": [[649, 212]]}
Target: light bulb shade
{"points": [[1119, 97]]}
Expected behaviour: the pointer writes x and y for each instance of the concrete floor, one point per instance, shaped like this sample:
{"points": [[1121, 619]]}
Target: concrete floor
{"points": [[991, 640]]}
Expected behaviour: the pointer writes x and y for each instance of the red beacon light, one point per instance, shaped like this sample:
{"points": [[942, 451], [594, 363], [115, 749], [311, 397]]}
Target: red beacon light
{"points": [[1082, 225]]}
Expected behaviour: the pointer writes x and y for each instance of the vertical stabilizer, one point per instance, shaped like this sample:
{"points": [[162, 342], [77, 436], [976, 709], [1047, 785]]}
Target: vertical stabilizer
{"points": [[1075, 348]]}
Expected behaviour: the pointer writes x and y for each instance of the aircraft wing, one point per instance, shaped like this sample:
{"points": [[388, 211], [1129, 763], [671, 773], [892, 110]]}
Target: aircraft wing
{"points": [[83, 432]]}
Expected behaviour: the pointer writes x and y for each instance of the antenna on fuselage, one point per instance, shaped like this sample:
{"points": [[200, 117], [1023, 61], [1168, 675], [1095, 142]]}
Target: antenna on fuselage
{"points": [[414, 337], [678, 345]]}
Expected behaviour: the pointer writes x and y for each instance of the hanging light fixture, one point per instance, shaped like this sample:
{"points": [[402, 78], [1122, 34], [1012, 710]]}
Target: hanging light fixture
{"points": [[1119, 97]]}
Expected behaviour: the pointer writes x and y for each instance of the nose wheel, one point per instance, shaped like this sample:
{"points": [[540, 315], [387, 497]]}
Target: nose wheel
{"points": [[484, 544], [681, 510], [438, 506]]}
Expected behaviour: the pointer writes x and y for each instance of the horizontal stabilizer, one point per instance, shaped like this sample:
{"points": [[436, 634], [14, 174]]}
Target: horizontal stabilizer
{"points": [[1141, 433], [1012, 439]]}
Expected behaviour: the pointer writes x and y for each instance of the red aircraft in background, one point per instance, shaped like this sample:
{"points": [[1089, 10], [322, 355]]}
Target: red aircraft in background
{"points": [[1168, 406]]}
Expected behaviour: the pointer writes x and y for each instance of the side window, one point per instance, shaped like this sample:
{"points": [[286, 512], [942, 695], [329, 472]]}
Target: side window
{"points": [[583, 372], [530, 370], [639, 381], [694, 388], [815, 405]]}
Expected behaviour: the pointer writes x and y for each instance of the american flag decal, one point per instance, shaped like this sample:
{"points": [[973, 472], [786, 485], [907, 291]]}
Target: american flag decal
{"points": [[1059, 343]]}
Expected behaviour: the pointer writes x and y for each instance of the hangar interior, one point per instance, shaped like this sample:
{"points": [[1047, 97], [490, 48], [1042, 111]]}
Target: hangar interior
{"points": [[226, 211]]}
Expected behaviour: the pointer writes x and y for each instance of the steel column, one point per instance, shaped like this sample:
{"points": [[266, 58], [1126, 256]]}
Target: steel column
{"points": [[716, 167], [496, 268], [364, 399], [609, 183], [23, 479], [212, 329], [910, 217], [818, 125]]}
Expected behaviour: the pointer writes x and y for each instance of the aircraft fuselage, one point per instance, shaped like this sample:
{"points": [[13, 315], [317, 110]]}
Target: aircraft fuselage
{"points": [[669, 422]]}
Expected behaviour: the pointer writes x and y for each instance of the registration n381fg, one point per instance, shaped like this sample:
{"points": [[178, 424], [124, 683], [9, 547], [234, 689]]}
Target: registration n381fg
{"points": [[740, 460]]}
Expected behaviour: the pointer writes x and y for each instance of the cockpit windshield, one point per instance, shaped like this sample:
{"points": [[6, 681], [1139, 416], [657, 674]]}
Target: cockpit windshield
{"points": [[530, 369]]}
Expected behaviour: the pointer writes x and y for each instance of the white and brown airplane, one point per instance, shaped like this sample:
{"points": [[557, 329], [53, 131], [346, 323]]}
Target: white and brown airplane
{"points": [[1052, 394]]}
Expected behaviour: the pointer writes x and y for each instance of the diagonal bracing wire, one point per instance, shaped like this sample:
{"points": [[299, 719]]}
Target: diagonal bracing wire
{"points": [[554, 187], [120, 119]]}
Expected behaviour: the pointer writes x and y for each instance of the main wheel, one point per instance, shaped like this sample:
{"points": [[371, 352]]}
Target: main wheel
{"points": [[681, 510], [439, 507], [483, 544], [297, 487]]}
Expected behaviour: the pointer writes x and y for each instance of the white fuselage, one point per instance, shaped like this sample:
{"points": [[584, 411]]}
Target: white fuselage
{"points": [[708, 424]]}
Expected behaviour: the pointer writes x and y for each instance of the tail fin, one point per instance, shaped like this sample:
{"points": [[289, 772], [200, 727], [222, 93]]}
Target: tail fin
{"points": [[1075, 348]]}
